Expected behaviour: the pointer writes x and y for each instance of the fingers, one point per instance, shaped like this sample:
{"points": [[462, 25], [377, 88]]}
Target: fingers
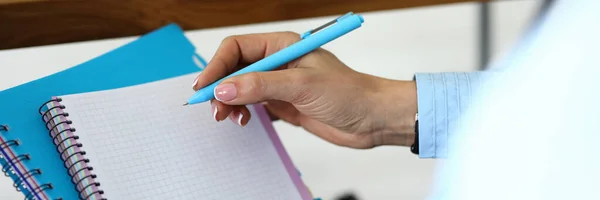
{"points": [[275, 109], [240, 115], [291, 85], [220, 110], [236, 51]]}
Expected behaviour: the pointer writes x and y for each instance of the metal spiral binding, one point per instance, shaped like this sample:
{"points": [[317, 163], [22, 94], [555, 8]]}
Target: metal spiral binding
{"points": [[19, 158], [38, 189], [6, 171], [21, 180], [6, 168], [63, 136], [27, 175], [5, 145]]}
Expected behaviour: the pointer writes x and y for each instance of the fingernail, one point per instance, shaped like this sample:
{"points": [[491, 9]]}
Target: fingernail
{"points": [[215, 111], [225, 92], [195, 82], [239, 121], [232, 116]]}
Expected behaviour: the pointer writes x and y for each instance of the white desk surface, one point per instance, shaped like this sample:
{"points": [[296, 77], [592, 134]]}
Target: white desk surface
{"points": [[392, 44]]}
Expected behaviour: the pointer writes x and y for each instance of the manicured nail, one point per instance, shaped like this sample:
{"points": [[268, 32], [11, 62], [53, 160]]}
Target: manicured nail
{"points": [[225, 92], [215, 111], [231, 116], [195, 82], [239, 121]]}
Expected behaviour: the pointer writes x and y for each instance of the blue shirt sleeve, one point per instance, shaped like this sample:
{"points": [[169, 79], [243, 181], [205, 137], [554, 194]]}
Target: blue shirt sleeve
{"points": [[442, 97]]}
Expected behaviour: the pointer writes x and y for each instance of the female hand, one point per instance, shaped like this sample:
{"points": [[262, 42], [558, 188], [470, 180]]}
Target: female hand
{"points": [[317, 92]]}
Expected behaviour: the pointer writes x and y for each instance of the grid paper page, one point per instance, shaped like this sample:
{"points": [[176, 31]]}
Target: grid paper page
{"points": [[143, 144]]}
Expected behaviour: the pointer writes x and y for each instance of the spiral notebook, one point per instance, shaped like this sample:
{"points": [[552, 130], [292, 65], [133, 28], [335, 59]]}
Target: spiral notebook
{"points": [[56, 157], [28, 155], [143, 144]]}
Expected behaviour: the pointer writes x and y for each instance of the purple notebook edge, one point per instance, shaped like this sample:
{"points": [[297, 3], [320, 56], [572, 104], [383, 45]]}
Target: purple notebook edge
{"points": [[285, 158]]}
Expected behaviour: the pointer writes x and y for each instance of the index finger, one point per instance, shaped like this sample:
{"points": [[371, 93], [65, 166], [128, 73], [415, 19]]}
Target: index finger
{"points": [[237, 50]]}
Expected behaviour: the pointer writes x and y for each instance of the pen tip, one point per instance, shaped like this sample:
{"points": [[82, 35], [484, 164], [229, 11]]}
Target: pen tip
{"points": [[186, 104]]}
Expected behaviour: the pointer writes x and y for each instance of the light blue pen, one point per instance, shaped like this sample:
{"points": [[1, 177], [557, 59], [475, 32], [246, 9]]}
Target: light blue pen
{"points": [[311, 40]]}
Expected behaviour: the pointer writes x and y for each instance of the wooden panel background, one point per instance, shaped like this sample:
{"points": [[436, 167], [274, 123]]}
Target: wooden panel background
{"points": [[25, 23]]}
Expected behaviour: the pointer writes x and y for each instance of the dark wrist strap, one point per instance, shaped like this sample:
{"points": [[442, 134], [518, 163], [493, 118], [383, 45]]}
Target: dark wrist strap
{"points": [[414, 148]]}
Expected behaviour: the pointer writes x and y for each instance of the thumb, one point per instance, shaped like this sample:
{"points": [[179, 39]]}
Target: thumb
{"points": [[289, 85]]}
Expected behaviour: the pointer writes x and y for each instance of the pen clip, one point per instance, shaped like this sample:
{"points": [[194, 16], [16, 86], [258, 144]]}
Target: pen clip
{"points": [[328, 24]]}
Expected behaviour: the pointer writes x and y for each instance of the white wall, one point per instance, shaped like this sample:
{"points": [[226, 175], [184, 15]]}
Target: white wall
{"points": [[431, 39]]}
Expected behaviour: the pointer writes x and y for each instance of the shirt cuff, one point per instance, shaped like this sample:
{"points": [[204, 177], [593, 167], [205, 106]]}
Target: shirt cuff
{"points": [[442, 97]]}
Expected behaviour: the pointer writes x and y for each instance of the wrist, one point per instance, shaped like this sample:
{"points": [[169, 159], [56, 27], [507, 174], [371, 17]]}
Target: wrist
{"points": [[399, 105]]}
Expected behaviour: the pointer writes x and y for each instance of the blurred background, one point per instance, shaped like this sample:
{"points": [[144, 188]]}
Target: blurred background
{"points": [[432, 39], [395, 42]]}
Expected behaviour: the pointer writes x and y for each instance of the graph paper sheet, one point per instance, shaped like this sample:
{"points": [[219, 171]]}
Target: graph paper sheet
{"points": [[143, 144]]}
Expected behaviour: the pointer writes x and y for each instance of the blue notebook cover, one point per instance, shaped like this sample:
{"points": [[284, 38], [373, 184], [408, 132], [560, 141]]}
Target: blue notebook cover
{"points": [[161, 54], [12, 175]]}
